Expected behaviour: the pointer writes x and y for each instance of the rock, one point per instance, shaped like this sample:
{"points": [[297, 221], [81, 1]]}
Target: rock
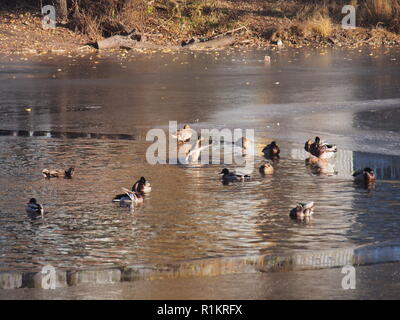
{"points": [[43, 280], [94, 276], [10, 280]]}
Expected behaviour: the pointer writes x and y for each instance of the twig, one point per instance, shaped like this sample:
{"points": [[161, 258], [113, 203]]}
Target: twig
{"points": [[232, 31], [364, 41]]}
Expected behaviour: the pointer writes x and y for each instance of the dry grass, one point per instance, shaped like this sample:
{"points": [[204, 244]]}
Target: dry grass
{"points": [[319, 24], [180, 19], [385, 13]]}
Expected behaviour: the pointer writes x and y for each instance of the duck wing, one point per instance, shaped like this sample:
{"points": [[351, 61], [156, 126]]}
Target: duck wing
{"points": [[130, 194], [308, 205], [193, 155]]}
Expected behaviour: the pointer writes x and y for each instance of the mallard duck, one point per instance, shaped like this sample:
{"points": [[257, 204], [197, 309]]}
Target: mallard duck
{"points": [[141, 186], [272, 150], [320, 149], [184, 134], [365, 176], [58, 173], [33, 208], [266, 168], [129, 196], [302, 210], [228, 176]]}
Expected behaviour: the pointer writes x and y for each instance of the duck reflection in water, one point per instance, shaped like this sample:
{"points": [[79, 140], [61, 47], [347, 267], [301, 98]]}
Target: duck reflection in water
{"points": [[320, 166]]}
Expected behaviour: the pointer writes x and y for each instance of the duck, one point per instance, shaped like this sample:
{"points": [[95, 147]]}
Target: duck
{"points": [[141, 186], [56, 173], [33, 208], [194, 154], [365, 176], [302, 210], [129, 196], [183, 135], [320, 149], [228, 176], [266, 168], [272, 150]]}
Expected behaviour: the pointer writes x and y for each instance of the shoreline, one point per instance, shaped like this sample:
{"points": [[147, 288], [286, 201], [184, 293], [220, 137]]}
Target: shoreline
{"points": [[22, 33]]}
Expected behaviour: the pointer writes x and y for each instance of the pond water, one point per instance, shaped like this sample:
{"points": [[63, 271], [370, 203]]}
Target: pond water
{"points": [[93, 112]]}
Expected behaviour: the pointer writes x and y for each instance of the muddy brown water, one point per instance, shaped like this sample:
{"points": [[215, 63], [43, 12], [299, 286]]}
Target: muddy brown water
{"points": [[94, 113]]}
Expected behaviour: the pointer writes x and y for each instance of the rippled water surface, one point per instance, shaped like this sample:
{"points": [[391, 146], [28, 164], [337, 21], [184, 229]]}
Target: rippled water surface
{"points": [[95, 116]]}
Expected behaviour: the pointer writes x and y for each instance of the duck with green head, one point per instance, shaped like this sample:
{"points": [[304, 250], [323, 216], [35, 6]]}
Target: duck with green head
{"points": [[228, 176], [34, 209]]}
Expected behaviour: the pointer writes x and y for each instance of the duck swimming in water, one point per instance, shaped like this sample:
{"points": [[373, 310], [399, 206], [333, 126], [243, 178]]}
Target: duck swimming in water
{"points": [[266, 168], [184, 134], [320, 149], [228, 176], [34, 209], [271, 151], [302, 210], [365, 176], [129, 197], [67, 174]]}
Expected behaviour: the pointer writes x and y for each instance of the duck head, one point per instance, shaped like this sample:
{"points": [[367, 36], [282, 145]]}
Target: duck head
{"points": [[142, 180], [224, 171], [33, 201], [307, 145], [317, 140]]}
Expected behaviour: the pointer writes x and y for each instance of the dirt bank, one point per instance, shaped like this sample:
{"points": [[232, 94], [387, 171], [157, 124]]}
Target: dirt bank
{"points": [[21, 29]]}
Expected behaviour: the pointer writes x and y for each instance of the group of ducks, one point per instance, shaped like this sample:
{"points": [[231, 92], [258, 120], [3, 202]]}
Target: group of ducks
{"points": [[33, 208], [133, 196], [319, 152]]}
